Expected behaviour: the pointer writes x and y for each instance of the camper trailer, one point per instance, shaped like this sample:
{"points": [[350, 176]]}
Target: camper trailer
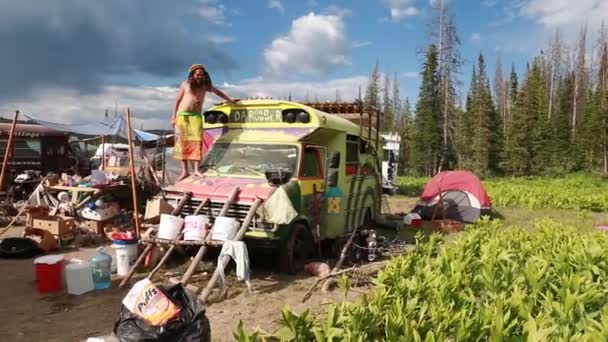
{"points": [[391, 142]]}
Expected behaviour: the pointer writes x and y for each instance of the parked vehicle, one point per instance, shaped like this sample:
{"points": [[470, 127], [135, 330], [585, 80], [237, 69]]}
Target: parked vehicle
{"points": [[40, 149], [318, 173], [391, 142]]}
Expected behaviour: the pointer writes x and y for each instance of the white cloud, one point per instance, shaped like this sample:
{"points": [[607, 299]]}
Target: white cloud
{"points": [[323, 90], [476, 37], [212, 11], [565, 14], [489, 3], [315, 44], [361, 44], [151, 106], [339, 11], [276, 4], [400, 9]]}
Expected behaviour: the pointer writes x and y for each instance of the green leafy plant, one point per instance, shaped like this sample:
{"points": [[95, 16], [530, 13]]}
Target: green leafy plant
{"points": [[494, 283]]}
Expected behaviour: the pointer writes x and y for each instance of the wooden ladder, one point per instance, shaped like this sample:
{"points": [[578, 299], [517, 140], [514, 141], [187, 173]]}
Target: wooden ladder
{"points": [[223, 262], [203, 249], [151, 244]]}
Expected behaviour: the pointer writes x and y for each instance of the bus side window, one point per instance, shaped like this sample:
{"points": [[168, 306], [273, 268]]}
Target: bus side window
{"points": [[311, 166], [352, 154]]}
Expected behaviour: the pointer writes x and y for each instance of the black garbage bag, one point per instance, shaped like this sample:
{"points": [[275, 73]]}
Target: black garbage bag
{"points": [[17, 247], [190, 325]]}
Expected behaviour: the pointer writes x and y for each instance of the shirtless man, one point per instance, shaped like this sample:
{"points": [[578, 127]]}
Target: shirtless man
{"points": [[187, 118]]}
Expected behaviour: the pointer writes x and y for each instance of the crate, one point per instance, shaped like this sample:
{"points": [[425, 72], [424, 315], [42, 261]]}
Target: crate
{"points": [[56, 225], [96, 226], [154, 208]]}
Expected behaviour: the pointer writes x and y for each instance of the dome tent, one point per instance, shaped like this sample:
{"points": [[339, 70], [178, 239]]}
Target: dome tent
{"points": [[457, 195]]}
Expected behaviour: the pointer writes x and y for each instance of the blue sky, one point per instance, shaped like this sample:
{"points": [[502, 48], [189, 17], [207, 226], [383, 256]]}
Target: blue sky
{"points": [[71, 60]]}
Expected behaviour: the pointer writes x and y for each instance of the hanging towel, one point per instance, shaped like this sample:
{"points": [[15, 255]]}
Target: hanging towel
{"points": [[277, 209], [237, 250]]}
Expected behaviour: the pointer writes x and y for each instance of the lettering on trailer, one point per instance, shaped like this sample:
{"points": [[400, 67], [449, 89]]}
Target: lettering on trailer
{"points": [[24, 163], [256, 115], [21, 133]]}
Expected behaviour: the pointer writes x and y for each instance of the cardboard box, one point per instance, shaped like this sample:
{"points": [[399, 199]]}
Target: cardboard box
{"points": [[96, 226], [154, 208], [123, 171], [56, 225]]}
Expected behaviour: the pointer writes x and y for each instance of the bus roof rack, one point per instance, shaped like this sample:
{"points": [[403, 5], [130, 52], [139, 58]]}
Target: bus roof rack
{"points": [[357, 112]]}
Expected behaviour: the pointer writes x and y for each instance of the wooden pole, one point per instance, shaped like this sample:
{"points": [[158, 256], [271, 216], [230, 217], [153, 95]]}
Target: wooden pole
{"points": [[133, 174], [103, 152], [9, 148]]}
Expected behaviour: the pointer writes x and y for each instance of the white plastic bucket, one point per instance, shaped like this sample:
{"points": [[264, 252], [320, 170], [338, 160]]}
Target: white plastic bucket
{"points": [[195, 227], [170, 226], [126, 255], [224, 228], [79, 277]]}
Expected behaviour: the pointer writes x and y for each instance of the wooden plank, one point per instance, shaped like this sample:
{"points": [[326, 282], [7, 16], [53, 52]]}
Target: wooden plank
{"points": [[201, 251]]}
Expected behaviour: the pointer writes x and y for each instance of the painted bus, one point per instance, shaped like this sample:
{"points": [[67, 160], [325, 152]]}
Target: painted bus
{"points": [[318, 173]]}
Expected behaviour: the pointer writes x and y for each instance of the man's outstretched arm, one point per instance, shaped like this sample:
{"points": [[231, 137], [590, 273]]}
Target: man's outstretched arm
{"points": [[221, 94]]}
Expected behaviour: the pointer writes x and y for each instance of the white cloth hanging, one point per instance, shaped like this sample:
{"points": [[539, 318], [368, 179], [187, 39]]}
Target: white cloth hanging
{"points": [[237, 250]]}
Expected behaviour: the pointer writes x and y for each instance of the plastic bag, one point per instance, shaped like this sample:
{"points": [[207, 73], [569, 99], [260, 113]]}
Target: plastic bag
{"points": [[190, 324], [146, 301]]}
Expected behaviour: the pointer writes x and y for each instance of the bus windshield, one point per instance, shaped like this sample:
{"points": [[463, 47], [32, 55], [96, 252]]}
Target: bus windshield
{"points": [[245, 159]]}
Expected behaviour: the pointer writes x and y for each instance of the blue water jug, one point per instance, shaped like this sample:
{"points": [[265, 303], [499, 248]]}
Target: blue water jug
{"points": [[102, 269]]}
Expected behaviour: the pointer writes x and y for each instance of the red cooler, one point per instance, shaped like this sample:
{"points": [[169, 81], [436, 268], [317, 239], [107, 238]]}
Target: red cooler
{"points": [[48, 273]]}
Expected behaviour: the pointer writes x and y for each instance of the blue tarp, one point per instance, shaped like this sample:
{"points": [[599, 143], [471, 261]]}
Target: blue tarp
{"points": [[116, 126]]}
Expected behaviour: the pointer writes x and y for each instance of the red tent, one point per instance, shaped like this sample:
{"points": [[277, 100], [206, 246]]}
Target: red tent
{"points": [[463, 196]]}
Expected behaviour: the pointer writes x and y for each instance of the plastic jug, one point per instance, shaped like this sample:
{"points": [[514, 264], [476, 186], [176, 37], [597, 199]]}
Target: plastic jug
{"points": [[102, 269], [79, 277]]}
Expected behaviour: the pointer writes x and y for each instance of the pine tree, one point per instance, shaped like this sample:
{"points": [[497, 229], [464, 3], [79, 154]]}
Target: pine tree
{"points": [[426, 145], [387, 106], [396, 101], [486, 144], [405, 132], [372, 93], [465, 127]]}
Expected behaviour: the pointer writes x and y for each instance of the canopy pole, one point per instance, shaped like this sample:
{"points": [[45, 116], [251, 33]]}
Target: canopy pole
{"points": [[132, 171], [9, 148], [103, 152]]}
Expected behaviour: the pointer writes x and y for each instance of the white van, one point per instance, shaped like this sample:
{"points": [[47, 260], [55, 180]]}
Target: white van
{"points": [[391, 143]]}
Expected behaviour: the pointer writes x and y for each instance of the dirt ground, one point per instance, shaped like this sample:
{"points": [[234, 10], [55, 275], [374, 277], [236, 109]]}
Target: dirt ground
{"points": [[26, 315]]}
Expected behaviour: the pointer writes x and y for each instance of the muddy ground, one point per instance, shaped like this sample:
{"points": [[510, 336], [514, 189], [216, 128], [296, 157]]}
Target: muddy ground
{"points": [[26, 315]]}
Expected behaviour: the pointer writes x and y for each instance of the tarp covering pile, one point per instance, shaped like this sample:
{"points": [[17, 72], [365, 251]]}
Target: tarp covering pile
{"points": [[112, 126]]}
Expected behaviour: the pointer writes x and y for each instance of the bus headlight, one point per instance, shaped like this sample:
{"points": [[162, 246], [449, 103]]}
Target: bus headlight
{"points": [[295, 115]]}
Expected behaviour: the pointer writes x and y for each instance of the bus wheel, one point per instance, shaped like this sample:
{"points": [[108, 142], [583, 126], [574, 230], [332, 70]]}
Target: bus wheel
{"points": [[298, 249]]}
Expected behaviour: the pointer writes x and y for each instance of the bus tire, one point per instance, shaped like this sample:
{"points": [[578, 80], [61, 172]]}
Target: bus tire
{"points": [[297, 249]]}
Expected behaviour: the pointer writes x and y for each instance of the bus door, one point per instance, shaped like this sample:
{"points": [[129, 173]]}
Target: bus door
{"points": [[313, 183]]}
